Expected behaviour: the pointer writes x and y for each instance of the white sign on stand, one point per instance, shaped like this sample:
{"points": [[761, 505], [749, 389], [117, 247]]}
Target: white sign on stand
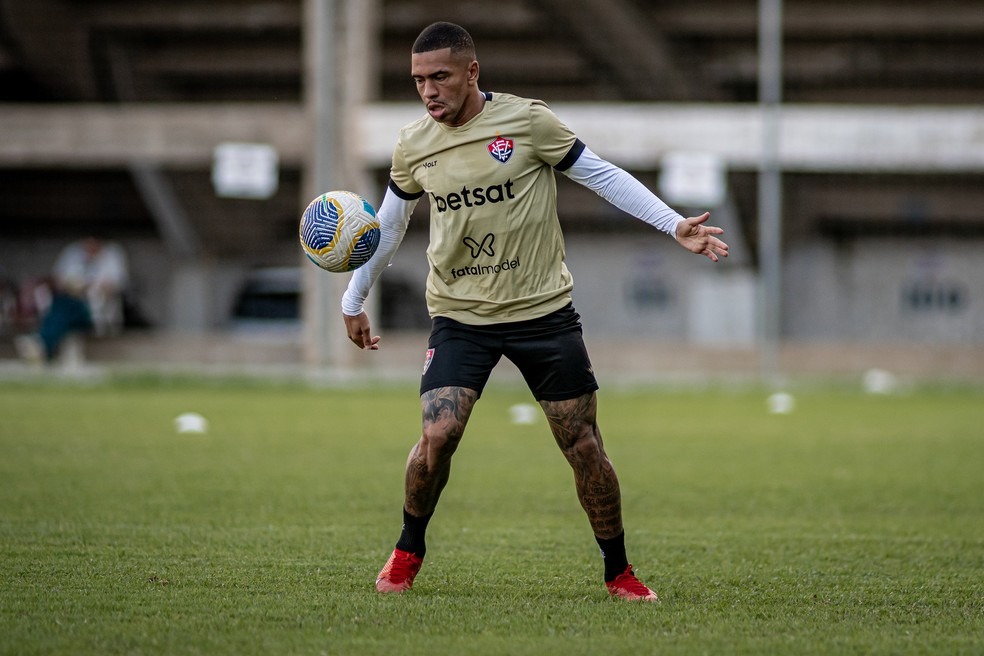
{"points": [[245, 170], [693, 179]]}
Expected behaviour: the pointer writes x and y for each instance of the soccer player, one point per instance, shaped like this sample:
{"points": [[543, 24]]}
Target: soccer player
{"points": [[498, 285]]}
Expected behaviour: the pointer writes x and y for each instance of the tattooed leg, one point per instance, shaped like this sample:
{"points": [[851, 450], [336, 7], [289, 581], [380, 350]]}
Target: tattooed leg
{"points": [[445, 413], [575, 427]]}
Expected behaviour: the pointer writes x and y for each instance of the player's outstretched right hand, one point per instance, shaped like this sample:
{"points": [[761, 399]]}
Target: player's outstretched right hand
{"points": [[700, 239]]}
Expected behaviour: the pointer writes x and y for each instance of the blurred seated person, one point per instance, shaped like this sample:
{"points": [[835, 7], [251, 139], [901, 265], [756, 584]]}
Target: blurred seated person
{"points": [[88, 280]]}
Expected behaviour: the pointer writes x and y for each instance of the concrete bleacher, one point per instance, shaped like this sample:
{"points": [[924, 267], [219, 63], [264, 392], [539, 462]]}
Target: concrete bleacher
{"points": [[120, 107]]}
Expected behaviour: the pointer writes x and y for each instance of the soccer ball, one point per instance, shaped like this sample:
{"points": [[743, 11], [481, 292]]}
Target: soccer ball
{"points": [[339, 231]]}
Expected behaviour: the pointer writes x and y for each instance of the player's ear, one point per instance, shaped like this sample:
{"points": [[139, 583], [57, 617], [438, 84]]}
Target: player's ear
{"points": [[473, 71]]}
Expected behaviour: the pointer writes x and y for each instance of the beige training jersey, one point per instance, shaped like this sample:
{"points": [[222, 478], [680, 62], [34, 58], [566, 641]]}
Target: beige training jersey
{"points": [[496, 251]]}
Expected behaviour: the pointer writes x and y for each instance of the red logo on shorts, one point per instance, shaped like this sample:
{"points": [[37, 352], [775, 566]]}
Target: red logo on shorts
{"points": [[428, 358], [501, 149]]}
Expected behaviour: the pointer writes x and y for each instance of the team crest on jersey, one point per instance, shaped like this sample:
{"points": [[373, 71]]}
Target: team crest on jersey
{"points": [[428, 358], [501, 148]]}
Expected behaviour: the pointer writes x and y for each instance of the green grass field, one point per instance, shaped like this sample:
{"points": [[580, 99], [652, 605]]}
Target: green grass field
{"points": [[853, 525]]}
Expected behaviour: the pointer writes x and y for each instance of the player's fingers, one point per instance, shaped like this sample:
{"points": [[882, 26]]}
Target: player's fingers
{"points": [[715, 247], [359, 338]]}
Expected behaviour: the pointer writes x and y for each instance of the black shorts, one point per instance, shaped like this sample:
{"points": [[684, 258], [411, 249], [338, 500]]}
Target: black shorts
{"points": [[548, 351]]}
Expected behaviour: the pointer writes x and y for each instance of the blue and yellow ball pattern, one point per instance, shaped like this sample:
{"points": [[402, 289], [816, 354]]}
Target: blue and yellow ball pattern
{"points": [[339, 231]]}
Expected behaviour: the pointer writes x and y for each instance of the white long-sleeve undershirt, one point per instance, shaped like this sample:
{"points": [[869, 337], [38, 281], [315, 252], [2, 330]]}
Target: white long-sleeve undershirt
{"points": [[622, 190], [394, 215], [612, 183]]}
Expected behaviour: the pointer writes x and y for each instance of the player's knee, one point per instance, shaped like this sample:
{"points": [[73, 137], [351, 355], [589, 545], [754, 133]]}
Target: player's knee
{"points": [[442, 438], [580, 440], [588, 446]]}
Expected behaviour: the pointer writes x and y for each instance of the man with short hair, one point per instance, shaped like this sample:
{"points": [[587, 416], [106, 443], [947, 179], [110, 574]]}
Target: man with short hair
{"points": [[498, 285], [89, 278]]}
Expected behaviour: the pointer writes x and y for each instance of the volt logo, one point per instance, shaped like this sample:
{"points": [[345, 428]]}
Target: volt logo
{"points": [[477, 248]]}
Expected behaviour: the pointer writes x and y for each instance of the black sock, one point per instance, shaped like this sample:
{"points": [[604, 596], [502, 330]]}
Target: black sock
{"points": [[412, 537], [613, 553]]}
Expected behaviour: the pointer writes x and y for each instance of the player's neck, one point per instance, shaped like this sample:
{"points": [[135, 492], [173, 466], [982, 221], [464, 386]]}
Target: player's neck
{"points": [[472, 108]]}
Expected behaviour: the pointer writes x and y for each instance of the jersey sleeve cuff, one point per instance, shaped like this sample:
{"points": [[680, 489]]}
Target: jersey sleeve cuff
{"points": [[405, 195], [572, 155]]}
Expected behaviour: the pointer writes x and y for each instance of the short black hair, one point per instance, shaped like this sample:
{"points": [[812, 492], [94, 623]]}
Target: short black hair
{"points": [[441, 35]]}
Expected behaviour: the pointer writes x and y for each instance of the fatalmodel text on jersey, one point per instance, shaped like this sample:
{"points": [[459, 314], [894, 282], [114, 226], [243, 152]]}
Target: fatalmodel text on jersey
{"points": [[484, 270]]}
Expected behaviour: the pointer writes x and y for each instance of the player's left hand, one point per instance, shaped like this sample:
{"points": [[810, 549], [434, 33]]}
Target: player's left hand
{"points": [[698, 238]]}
